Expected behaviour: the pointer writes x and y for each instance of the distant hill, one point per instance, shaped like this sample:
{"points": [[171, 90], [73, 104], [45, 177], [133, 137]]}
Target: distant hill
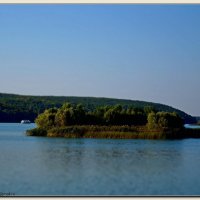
{"points": [[14, 108]]}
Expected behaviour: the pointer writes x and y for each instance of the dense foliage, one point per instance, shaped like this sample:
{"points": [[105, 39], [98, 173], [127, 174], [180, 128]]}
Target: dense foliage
{"points": [[14, 108], [69, 115], [74, 121], [164, 120]]}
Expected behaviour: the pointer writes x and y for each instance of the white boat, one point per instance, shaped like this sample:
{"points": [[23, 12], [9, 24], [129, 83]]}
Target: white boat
{"points": [[25, 122]]}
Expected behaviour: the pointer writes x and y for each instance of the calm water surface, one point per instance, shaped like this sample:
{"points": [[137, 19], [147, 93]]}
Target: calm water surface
{"points": [[58, 166], [192, 126]]}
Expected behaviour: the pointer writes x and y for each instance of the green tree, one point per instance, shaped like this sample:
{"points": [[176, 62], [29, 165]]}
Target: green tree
{"points": [[79, 114], [110, 116], [47, 118], [149, 109], [64, 116], [152, 120], [164, 120]]}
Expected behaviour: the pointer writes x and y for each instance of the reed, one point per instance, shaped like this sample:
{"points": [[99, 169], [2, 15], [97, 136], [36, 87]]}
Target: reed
{"points": [[36, 132], [112, 132]]}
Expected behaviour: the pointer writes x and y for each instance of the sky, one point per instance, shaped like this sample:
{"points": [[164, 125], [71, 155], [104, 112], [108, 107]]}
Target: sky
{"points": [[139, 52]]}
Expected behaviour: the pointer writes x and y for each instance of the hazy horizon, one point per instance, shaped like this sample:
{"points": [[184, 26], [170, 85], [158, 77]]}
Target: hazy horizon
{"points": [[137, 52]]}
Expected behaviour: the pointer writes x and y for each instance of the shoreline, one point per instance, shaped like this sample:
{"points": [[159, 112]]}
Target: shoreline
{"points": [[115, 132]]}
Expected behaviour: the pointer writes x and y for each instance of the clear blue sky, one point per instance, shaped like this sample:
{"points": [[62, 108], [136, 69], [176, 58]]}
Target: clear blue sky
{"points": [[139, 52]]}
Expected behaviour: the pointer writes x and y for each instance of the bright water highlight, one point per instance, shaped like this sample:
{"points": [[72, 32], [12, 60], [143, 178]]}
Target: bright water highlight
{"points": [[191, 126], [59, 166]]}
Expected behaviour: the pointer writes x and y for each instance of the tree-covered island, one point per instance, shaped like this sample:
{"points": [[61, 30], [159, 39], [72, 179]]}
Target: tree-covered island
{"points": [[74, 121]]}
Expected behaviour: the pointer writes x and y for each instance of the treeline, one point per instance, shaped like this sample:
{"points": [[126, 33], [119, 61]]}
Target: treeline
{"points": [[14, 113], [69, 115], [14, 108]]}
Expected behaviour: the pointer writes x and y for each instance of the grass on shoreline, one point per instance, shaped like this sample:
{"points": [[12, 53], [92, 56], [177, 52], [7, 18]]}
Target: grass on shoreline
{"points": [[112, 132]]}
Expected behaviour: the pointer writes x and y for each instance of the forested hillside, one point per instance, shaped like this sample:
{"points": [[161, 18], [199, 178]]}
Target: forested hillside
{"points": [[14, 108]]}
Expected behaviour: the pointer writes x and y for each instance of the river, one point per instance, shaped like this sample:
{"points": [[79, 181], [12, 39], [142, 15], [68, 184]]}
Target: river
{"points": [[59, 166]]}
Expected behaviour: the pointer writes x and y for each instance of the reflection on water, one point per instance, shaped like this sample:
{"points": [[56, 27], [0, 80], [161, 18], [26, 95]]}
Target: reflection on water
{"points": [[58, 166], [192, 126]]}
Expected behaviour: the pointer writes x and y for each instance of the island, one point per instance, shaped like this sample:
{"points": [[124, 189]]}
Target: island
{"points": [[118, 122]]}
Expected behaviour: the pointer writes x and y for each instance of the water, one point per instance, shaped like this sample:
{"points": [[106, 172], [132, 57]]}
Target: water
{"points": [[58, 166], [191, 126]]}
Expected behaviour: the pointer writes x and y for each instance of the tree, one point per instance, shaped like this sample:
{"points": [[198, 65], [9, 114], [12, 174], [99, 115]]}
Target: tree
{"points": [[164, 120], [79, 114], [47, 118], [110, 116], [64, 116], [149, 109], [152, 120]]}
